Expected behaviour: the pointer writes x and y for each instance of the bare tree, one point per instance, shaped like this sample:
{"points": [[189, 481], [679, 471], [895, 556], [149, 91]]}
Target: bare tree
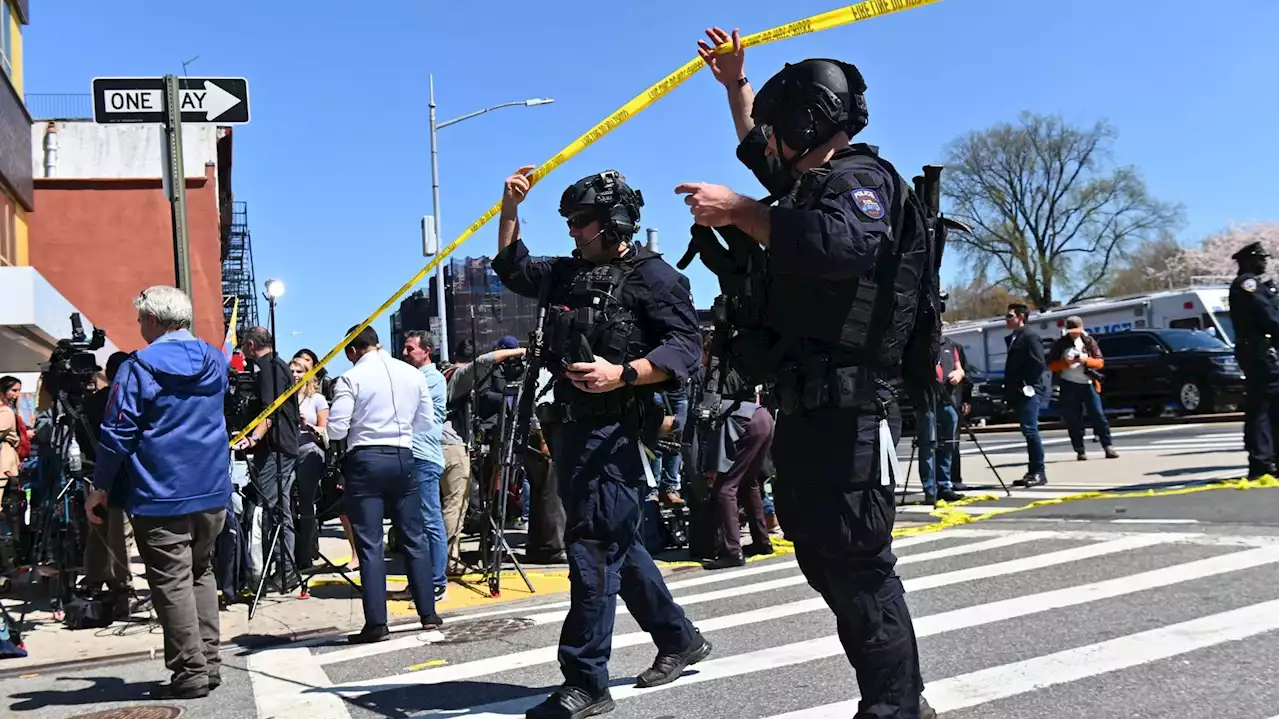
{"points": [[1048, 216], [1212, 263], [1153, 265], [978, 299]]}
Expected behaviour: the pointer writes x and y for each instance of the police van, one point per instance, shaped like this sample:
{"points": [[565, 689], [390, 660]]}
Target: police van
{"points": [[1198, 308]]}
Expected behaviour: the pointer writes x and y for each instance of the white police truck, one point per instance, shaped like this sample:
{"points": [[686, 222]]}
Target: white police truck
{"points": [[1198, 308]]}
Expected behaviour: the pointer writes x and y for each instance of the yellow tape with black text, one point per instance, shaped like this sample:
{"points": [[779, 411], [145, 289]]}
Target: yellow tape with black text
{"points": [[825, 21]]}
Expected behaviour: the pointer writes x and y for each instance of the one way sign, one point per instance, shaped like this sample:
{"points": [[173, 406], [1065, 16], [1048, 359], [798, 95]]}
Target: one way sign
{"points": [[218, 100]]}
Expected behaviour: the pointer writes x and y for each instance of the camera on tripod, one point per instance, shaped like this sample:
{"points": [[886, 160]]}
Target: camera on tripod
{"points": [[71, 367], [241, 400]]}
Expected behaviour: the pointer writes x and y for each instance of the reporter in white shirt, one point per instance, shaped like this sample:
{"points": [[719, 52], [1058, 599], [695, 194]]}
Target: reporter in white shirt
{"points": [[378, 405]]}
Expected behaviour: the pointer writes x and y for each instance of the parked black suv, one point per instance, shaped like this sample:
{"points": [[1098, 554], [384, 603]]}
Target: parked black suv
{"points": [[1149, 370]]}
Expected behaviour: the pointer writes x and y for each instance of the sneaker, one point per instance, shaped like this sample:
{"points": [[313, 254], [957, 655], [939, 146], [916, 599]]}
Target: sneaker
{"points": [[431, 621], [442, 590], [569, 702], [668, 667], [1082, 457]]}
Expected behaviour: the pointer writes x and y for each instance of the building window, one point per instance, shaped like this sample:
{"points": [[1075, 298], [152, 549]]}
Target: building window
{"points": [[6, 38], [8, 230]]}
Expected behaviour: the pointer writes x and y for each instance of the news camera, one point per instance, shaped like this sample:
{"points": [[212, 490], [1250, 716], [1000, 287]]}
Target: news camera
{"points": [[241, 400], [72, 365]]}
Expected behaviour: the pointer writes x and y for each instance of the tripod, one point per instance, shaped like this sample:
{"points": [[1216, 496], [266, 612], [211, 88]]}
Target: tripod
{"points": [[276, 509], [59, 509], [510, 469], [951, 444]]}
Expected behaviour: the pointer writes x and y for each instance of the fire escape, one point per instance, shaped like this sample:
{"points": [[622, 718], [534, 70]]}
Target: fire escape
{"points": [[237, 271]]}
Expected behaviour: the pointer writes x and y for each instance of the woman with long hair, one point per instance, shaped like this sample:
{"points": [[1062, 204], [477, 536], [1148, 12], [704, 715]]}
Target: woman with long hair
{"points": [[15, 441], [313, 415]]}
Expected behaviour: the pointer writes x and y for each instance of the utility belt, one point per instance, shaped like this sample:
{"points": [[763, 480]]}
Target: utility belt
{"points": [[821, 382], [591, 408]]}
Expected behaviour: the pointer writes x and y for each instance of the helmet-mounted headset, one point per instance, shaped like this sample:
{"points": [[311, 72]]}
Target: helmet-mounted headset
{"points": [[615, 204], [805, 104]]}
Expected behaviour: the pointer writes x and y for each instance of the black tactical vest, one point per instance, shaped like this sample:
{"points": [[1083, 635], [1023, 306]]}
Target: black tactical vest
{"points": [[592, 317], [866, 321]]}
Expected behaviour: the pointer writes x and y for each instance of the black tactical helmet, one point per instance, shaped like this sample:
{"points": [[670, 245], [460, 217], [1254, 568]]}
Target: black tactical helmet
{"points": [[793, 102], [607, 194]]}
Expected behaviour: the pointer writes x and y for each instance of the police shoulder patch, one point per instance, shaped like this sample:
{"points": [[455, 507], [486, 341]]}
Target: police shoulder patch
{"points": [[868, 202], [1249, 285]]}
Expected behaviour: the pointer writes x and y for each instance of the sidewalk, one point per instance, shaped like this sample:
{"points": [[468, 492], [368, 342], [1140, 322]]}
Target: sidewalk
{"points": [[332, 607]]}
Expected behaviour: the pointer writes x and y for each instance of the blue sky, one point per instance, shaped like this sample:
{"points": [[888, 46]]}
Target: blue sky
{"points": [[335, 164]]}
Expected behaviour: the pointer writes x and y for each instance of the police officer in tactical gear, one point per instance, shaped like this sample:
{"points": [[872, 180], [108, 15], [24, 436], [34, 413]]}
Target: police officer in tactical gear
{"points": [[841, 301], [1252, 301], [620, 326]]}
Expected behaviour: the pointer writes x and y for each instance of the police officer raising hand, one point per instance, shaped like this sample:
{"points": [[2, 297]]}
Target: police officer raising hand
{"points": [[840, 300], [620, 325]]}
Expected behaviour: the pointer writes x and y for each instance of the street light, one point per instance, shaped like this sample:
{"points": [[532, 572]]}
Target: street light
{"points": [[435, 192], [274, 291]]}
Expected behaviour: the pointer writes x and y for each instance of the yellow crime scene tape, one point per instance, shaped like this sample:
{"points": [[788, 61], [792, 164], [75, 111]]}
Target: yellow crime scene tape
{"points": [[825, 21], [949, 516]]}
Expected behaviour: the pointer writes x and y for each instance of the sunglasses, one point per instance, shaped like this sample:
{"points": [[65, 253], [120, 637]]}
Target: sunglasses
{"points": [[580, 222]]}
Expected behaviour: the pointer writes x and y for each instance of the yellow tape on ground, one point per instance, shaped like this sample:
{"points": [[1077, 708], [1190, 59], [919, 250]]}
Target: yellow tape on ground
{"points": [[951, 517], [825, 21]]}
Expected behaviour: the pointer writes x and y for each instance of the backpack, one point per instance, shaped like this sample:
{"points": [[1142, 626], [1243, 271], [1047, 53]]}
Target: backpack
{"points": [[913, 278]]}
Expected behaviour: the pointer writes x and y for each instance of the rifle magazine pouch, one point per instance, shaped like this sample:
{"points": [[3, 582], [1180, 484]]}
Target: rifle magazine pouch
{"points": [[816, 390], [846, 387]]}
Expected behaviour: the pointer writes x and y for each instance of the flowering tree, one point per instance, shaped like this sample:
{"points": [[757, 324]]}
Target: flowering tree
{"points": [[1211, 262]]}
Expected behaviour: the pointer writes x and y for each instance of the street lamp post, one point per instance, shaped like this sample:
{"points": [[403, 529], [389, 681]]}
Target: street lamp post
{"points": [[435, 193]]}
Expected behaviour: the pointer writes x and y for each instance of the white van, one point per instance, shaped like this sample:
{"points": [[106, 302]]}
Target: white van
{"points": [[1198, 308]]}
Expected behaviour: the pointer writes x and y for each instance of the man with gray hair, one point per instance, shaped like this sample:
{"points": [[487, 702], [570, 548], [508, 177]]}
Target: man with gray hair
{"points": [[163, 457]]}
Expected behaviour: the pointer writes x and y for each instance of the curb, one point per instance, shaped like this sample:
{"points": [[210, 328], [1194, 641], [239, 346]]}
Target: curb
{"points": [[1123, 422], [258, 641]]}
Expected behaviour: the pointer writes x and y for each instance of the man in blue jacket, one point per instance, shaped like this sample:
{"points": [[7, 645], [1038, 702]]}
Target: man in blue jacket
{"points": [[164, 458]]}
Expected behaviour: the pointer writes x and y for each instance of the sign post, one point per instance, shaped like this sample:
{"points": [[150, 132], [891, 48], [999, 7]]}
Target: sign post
{"points": [[177, 183], [172, 101]]}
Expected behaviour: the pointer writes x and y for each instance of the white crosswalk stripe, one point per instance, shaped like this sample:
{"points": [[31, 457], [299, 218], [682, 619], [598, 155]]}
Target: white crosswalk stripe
{"points": [[1053, 610]]}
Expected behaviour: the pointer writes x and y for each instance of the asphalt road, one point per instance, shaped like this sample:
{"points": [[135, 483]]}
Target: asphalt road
{"points": [[1060, 611]]}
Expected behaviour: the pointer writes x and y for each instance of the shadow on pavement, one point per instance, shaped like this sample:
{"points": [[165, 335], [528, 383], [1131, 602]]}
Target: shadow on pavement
{"points": [[103, 689], [399, 701]]}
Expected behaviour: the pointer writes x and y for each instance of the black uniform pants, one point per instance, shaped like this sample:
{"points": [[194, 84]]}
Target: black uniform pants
{"points": [[1260, 415], [831, 503], [600, 471]]}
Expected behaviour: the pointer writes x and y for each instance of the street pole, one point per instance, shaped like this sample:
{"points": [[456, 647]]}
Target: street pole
{"points": [[177, 182], [435, 211]]}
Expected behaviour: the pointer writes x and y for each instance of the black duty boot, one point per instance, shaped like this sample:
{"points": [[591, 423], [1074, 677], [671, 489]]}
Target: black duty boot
{"points": [[754, 550], [948, 495], [725, 561], [569, 702], [926, 711], [668, 667]]}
